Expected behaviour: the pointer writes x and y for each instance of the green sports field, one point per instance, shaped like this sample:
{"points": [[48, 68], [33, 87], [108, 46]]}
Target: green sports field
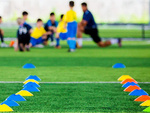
{"points": [[106, 32], [89, 64]]}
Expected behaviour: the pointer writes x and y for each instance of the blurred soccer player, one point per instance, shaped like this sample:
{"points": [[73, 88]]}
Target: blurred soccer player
{"points": [[23, 35], [61, 32], [51, 26], [88, 26], [70, 18], [2, 35], [38, 35], [24, 17]]}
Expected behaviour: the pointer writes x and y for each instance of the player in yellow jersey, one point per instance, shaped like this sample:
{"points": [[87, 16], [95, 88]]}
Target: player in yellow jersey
{"points": [[38, 35], [70, 18], [61, 31]]}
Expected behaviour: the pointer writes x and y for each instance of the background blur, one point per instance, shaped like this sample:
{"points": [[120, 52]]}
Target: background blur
{"points": [[115, 18], [105, 11]]}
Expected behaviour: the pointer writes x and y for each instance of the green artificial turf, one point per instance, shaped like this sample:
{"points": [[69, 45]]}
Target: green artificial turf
{"points": [[76, 98], [89, 64]]}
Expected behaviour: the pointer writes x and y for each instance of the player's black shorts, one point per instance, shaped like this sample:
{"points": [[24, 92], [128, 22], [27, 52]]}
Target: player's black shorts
{"points": [[49, 36], [24, 40], [93, 32]]}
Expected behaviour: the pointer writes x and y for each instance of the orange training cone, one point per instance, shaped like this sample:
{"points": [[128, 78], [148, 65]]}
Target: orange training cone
{"points": [[11, 43], [131, 88], [142, 98], [129, 80]]}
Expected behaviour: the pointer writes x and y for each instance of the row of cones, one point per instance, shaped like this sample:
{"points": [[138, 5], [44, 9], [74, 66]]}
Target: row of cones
{"points": [[31, 84], [131, 85]]}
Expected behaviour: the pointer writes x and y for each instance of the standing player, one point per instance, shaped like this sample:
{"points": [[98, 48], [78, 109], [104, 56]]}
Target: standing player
{"points": [[70, 18], [2, 35], [88, 26], [23, 35], [51, 26], [61, 32]]}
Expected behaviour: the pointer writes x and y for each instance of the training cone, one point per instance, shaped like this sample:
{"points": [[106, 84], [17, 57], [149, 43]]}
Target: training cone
{"points": [[30, 80], [16, 97], [24, 93], [119, 65], [123, 77], [11, 43], [31, 84], [147, 109], [146, 103], [131, 88], [10, 103], [129, 80], [130, 84], [137, 92], [142, 98], [33, 77], [28, 66], [5, 108], [31, 89]]}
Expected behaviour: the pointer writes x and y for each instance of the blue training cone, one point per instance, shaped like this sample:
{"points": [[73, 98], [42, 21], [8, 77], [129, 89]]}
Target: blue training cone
{"points": [[16, 98], [28, 66], [10, 103], [129, 83], [119, 65], [31, 84], [33, 77], [31, 89], [137, 92]]}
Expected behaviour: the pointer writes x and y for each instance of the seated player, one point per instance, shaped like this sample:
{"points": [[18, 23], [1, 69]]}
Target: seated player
{"points": [[2, 35], [51, 26], [70, 18], [23, 35], [88, 26], [25, 17], [61, 31], [38, 35]]}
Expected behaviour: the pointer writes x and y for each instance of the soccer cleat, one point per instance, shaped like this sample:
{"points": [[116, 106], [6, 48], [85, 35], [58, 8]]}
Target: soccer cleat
{"points": [[39, 46], [4, 45], [119, 42], [77, 46], [27, 49], [71, 50], [52, 44], [58, 47]]}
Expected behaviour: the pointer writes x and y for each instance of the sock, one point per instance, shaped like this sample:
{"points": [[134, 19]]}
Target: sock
{"points": [[57, 41], [2, 38], [72, 44], [114, 41], [79, 41], [52, 37]]}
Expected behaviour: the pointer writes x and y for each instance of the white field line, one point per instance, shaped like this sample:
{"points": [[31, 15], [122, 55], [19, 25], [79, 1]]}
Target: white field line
{"points": [[72, 82]]}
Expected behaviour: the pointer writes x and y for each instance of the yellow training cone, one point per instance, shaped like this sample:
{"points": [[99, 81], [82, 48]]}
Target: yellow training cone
{"points": [[24, 93], [5, 108], [30, 80], [123, 77], [146, 103]]}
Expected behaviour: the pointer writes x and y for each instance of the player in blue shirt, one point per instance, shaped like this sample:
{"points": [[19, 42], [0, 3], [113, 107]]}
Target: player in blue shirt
{"points": [[88, 26], [23, 35], [51, 26]]}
